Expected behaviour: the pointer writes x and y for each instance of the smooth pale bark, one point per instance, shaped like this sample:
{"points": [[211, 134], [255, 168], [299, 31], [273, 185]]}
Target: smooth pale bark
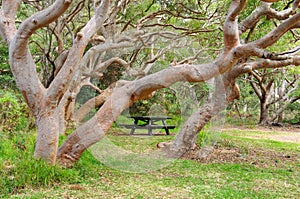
{"points": [[24, 70], [265, 95], [95, 102], [47, 139], [122, 97], [78, 81], [49, 104], [61, 83], [84, 137], [284, 99], [45, 102], [94, 129], [279, 112], [185, 139]]}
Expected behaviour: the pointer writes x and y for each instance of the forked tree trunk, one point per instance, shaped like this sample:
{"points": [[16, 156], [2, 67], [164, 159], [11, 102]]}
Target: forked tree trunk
{"points": [[47, 139], [264, 94]]}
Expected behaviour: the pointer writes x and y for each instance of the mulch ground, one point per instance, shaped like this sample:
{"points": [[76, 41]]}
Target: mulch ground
{"points": [[253, 156]]}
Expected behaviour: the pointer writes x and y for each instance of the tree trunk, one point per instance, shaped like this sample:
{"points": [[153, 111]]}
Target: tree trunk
{"points": [[70, 107], [95, 102], [47, 139], [264, 112], [281, 96], [185, 140], [94, 129], [280, 116]]}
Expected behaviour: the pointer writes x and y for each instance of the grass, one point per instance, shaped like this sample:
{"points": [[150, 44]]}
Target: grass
{"points": [[23, 177], [262, 139]]}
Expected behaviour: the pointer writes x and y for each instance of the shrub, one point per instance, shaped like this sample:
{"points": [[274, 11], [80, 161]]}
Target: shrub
{"points": [[15, 115]]}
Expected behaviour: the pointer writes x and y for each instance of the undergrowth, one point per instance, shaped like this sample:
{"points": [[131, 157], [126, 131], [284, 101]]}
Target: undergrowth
{"points": [[19, 170]]}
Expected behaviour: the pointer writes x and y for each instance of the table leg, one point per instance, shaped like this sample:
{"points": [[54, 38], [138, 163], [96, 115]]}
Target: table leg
{"points": [[132, 130], [150, 122], [167, 131], [166, 128], [149, 130]]}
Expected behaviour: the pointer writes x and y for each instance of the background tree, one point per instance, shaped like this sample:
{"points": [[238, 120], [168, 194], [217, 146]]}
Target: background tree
{"points": [[274, 93]]}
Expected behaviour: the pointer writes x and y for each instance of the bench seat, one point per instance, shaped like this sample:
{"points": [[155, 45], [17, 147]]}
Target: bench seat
{"points": [[130, 126], [149, 127]]}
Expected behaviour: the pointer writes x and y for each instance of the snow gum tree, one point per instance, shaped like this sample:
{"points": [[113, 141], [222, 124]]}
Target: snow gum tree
{"points": [[107, 29]]}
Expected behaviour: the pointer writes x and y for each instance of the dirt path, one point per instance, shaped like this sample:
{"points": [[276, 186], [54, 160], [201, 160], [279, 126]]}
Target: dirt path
{"points": [[283, 134]]}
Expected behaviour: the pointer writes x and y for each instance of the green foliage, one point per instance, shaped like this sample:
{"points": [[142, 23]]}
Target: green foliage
{"points": [[164, 102], [111, 75], [202, 138], [85, 94], [18, 168], [294, 111], [15, 115], [3, 56], [246, 109], [6, 77], [287, 41]]}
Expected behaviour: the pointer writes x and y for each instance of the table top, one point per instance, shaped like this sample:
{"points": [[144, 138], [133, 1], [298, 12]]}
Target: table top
{"points": [[150, 117]]}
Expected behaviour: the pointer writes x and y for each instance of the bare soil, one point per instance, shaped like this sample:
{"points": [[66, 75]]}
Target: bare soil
{"points": [[283, 134], [254, 156], [259, 157]]}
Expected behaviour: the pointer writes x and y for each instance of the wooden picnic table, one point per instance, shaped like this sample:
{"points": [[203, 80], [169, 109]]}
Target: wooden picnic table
{"points": [[150, 123]]}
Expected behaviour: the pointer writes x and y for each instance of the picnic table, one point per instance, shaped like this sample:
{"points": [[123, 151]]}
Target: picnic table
{"points": [[148, 122]]}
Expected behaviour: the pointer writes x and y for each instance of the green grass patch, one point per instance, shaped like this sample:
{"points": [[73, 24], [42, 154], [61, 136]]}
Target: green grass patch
{"points": [[262, 139], [23, 177], [20, 170]]}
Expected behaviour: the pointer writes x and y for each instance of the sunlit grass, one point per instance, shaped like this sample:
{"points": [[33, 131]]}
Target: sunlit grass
{"points": [[264, 139], [23, 177]]}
